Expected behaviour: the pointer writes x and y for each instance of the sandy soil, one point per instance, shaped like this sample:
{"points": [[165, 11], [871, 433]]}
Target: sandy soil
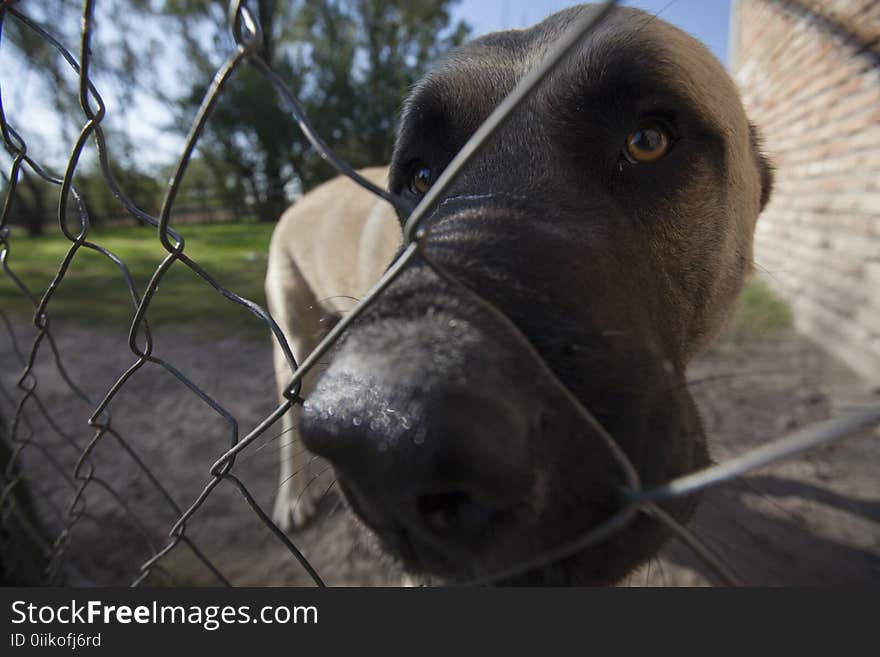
{"points": [[811, 520]]}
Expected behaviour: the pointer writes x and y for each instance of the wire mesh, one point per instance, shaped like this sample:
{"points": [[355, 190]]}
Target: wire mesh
{"points": [[21, 436]]}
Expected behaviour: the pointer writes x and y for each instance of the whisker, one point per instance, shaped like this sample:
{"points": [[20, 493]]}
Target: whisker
{"points": [[339, 501], [312, 480], [347, 297], [327, 490], [662, 572], [690, 539], [286, 479], [300, 451], [269, 441]]}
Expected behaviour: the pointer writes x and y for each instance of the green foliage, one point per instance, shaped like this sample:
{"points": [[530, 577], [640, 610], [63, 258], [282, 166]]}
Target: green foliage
{"points": [[760, 313], [143, 189], [367, 54], [118, 48], [349, 62], [31, 205]]}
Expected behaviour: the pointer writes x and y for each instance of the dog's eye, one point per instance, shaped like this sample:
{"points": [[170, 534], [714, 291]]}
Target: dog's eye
{"points": [[421, 179], [647, 144]]}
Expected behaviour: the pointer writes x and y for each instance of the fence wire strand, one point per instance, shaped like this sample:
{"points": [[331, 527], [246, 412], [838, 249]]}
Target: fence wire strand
{"points": [[21, 435]]}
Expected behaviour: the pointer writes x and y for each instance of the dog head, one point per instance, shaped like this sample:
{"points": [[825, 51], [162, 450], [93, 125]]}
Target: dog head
{"points": [[584, 256]]}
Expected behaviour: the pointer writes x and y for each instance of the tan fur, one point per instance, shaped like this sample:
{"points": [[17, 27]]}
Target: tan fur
{"points": [[701, 78], [327, 249], [338, 239]]}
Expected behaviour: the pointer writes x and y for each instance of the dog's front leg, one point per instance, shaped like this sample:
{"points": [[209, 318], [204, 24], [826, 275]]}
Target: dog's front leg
{"points": [[298, 314], [294, 501]]}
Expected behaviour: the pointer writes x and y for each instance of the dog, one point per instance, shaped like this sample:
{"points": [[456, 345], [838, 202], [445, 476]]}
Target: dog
{"points": [[592, 248]]}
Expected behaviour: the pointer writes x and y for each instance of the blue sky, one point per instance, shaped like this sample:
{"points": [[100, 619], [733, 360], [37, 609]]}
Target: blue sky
{"points": [[705, 19]]}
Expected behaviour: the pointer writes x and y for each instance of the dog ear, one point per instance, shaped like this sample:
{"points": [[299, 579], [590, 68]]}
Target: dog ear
{"points": [[765, 168]]}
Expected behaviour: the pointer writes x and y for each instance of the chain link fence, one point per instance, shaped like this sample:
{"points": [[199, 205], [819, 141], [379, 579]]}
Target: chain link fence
{"points": [[30, 553]]}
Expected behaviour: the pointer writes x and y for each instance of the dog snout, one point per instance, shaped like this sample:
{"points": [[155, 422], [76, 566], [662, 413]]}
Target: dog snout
{"points": [[441, 466]]}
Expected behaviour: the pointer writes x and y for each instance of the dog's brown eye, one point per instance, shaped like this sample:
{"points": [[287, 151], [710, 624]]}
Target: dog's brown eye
{"points": [[647, 144], [421, 180]]}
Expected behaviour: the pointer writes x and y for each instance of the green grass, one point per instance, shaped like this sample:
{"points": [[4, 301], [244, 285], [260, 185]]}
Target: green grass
{"points": [[93, 289], [235, 254], [760, 314]]}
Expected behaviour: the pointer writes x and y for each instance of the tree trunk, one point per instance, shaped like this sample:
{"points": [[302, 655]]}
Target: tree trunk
{"points": [[35, 213]]}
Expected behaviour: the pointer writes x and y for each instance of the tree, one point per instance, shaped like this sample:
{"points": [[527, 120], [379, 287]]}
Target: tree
{"points": [[36, 69], [350, 63], [31, 206]]}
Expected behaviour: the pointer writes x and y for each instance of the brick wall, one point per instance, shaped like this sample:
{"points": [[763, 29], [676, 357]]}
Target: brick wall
{"points": [[810, 76]]}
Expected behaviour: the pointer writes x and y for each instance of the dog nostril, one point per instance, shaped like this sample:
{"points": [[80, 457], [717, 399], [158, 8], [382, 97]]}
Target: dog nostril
{"points": [[452, 512]]}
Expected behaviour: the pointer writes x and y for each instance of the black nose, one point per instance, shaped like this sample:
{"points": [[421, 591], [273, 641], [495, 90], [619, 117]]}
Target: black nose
{"points": [[443, 465]]}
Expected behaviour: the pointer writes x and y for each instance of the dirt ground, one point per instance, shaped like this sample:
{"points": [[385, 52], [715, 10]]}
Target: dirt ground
{"points": [[810, 520]]}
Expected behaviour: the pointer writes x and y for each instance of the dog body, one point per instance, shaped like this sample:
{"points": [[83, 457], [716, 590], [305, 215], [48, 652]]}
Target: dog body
{"points": [[586, 254], [326, 251]]}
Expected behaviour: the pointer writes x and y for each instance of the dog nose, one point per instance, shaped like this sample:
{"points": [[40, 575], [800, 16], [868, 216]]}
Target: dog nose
{"points": [[444, 465]]}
